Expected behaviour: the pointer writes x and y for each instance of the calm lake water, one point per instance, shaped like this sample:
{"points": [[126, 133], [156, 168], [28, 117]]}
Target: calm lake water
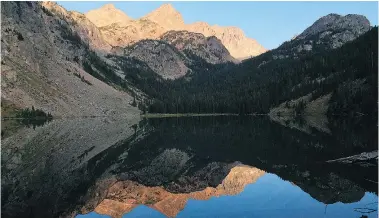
{"points": [[188, 167]]}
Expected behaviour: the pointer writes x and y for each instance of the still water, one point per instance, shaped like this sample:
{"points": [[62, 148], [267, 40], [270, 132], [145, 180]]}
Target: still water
{"points": [[189, 167]]}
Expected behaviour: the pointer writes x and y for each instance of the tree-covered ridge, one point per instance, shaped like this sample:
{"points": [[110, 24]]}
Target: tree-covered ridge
{"points": [[261, 83], [258, 84]]}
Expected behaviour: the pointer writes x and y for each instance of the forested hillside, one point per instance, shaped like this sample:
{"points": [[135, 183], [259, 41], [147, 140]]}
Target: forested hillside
{"points": [[258, 84]]}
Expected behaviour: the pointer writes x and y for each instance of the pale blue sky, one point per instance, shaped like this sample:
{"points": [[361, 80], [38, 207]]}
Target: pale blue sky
{"points": [[270, 23]]}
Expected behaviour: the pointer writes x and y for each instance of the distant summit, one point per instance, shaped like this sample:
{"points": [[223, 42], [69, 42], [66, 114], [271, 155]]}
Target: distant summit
{"points": [[107, 15], [167, 17], [120, 30], [352, 23]]}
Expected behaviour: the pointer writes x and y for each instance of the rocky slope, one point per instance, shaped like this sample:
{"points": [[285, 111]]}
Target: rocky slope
{"points": [[41, 53], [210, 49], [167, 18], [80, 24], [161, 57], [121, 34], [175, 53], [348, 27], [328, 32]]}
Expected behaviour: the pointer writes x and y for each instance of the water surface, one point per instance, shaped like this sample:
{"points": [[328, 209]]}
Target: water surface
{"points": [[188, 167]]}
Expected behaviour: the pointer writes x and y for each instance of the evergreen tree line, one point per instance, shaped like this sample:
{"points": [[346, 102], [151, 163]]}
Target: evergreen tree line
{"points": [[33, 117], [33, 114], [260, 83], [257, 84]]}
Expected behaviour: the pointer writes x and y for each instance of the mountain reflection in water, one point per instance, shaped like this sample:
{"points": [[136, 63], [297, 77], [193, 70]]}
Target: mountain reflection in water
{"points": [[245, 192], [187, 167]]}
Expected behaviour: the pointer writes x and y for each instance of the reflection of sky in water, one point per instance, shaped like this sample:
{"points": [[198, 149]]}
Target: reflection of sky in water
{"points": [[270, 196]]}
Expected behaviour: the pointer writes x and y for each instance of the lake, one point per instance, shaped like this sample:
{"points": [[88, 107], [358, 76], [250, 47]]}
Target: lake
{"points": [[218, 166]]}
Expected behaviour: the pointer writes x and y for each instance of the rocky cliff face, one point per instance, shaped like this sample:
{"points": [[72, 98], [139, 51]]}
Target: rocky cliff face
{"points": [[334, 30], [166, 18], [328, 32], [107, 15], [210, 49], [234, 39], [80, 24], [41, 51], [119, 34], [162, 58], [174, 54], [351, 24]]}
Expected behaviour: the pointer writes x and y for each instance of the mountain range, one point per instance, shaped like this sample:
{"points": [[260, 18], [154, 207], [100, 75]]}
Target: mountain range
{"points": [[106, 63], [110, 66], [115, 24]]}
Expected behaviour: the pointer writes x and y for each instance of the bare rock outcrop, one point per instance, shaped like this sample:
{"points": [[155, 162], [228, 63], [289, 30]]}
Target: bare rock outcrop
{"points": [[121, 34], [329, 32], [80, 24], [335, 30], [210, 49], [175, 53], [161, 57], [351, 24]]}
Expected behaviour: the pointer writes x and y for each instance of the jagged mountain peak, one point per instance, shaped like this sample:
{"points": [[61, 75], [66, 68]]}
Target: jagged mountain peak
{"points": [[163, 19], [108, 7], [167, 7], [167, 17], [107, 15]]}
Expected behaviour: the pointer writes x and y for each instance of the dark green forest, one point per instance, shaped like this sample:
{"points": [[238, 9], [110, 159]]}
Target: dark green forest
{"points": [[350, 73], [258, 84]]}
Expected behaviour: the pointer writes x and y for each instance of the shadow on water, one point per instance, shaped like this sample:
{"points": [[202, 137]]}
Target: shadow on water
{"points": [[33, 123], [11, 125], [255, 142], [188, 155]]}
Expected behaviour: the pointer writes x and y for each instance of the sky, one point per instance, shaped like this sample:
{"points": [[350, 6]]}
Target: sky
{"points": [[270, 23]]}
